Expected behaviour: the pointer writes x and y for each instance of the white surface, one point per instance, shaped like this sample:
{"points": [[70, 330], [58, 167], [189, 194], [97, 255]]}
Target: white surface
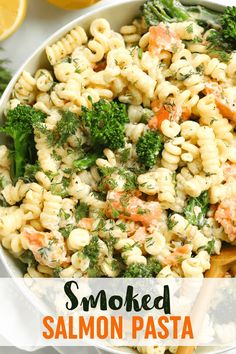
{"points": [[42, 20]]}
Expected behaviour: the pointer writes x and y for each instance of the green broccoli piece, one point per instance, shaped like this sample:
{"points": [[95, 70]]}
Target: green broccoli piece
{"points": [[148, 148], [137, 270], [222, 41], [5, 76], [19, 126], [85, 162], [228, 23], [155, 11], [154, 266], [218, 46], [92, 250], [106, 124], [196, 209]]}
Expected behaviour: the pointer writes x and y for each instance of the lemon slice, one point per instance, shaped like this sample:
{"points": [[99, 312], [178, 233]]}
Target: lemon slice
{"points": [[72, 4], [12, 13]]}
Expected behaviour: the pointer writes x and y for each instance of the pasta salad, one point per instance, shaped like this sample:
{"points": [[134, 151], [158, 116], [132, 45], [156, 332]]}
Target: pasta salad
{"points": [[122, 154]]}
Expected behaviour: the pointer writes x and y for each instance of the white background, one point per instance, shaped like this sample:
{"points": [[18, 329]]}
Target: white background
{"points": [[41, 21]]}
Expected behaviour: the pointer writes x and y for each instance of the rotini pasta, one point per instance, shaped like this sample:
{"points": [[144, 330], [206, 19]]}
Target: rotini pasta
{"points": [[66, 45]]}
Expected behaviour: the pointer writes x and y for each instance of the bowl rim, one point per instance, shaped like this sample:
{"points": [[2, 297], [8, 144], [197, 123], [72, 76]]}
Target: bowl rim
{"points": [[50, 40]]}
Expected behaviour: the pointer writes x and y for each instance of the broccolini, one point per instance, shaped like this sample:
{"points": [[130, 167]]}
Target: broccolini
{"points": [[137, 270], [149, 147], [156, 11], [19, 126], [106, 124], [228, 23]]}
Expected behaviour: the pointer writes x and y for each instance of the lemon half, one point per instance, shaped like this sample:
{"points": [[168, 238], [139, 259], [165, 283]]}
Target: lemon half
{"points": [[72, 4], [12, 13]]}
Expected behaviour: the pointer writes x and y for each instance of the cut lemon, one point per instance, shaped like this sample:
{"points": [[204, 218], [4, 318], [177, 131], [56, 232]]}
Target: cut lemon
{"points": [[72, 4], [12, 13]]}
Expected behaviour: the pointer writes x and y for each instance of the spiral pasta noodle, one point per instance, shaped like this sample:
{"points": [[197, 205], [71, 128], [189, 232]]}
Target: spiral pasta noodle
{"points": [[166, 194], [13, 194], [130, 34], [33, 202], [45, 154], [208, 150], [185, 72], [184, 229], [25, 88], [11, 220], [51, 208], [130, 252], [66, 45], [209, 115], [172, 153]]}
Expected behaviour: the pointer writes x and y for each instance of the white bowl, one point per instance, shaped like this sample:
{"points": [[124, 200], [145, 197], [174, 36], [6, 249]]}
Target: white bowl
{"points": [[118, 14]]}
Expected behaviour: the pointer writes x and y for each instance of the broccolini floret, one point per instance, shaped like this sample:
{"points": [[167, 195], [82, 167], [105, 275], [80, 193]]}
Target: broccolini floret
{"points": [[106, 124], [137, 270], [19, 126], [149, 147], [223, 40], [196, 209], [218, 46], [228, 23], [154, 266]]}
